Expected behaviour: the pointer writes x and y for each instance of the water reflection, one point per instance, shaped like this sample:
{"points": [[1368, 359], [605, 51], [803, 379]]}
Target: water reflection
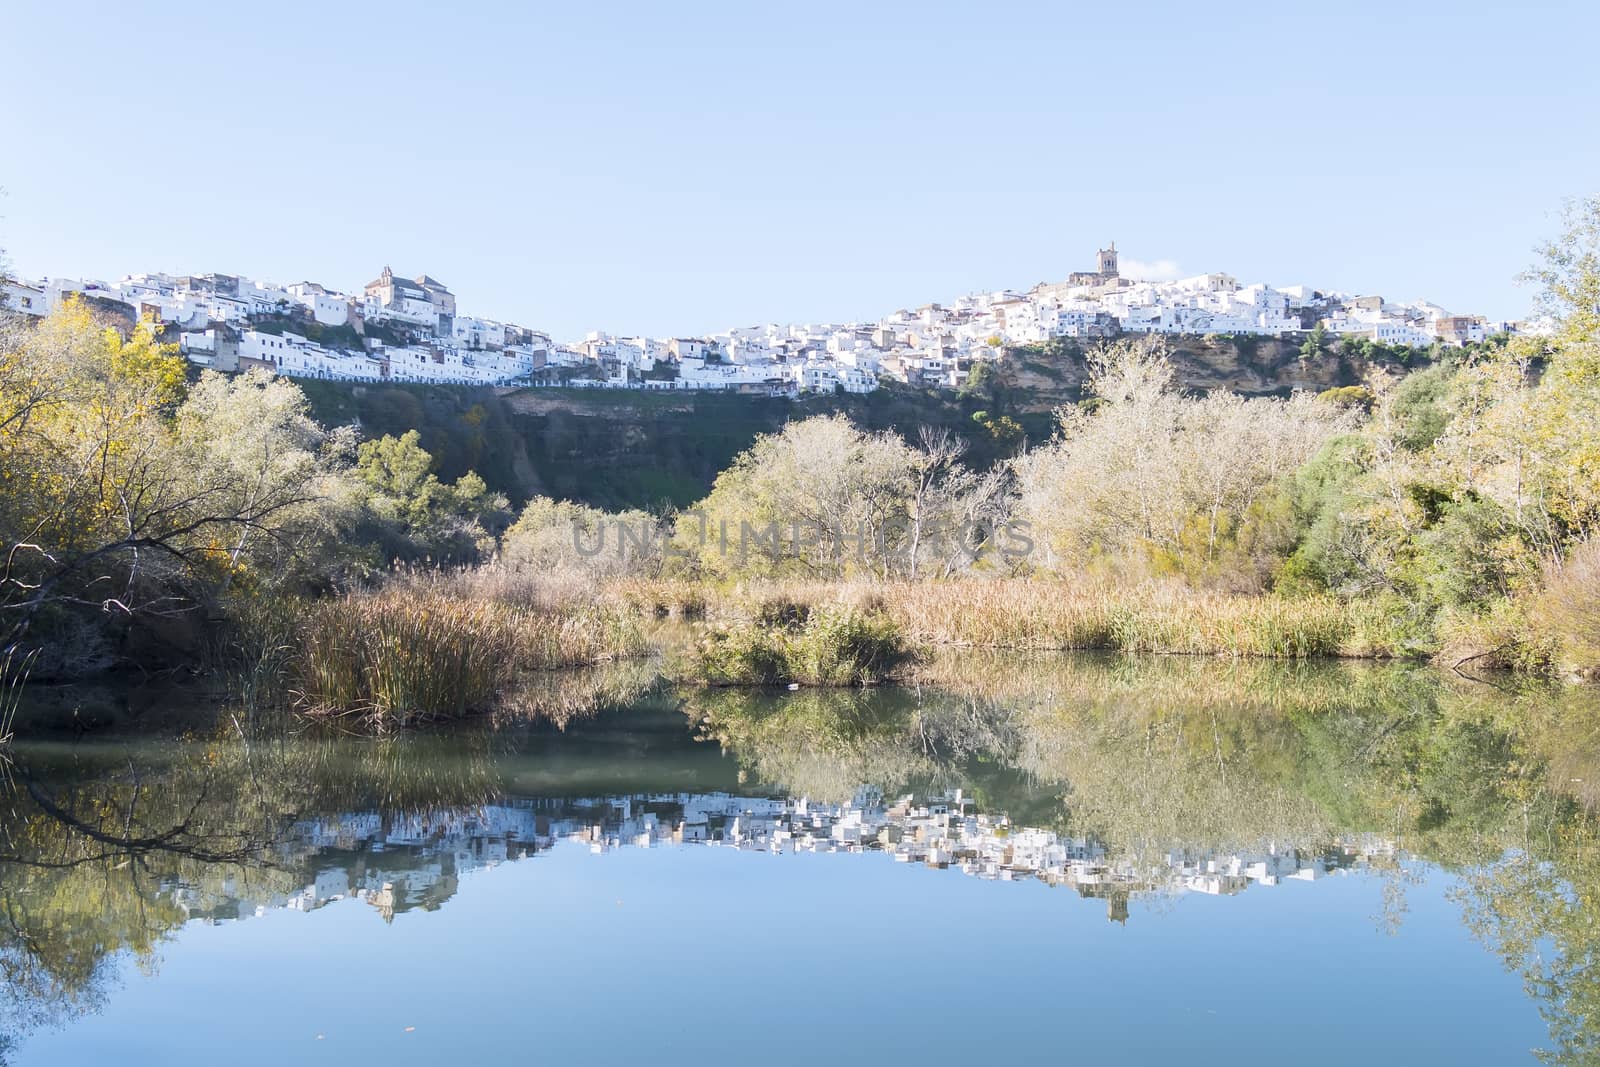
{"points": [[1118, 780]]}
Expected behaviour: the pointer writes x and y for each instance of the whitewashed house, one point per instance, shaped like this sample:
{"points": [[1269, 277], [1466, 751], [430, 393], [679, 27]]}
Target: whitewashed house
{"points": [[24, 299]]}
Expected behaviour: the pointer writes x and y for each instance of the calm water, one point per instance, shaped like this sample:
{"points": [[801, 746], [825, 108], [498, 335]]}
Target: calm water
{"points": [[1048, 859]]}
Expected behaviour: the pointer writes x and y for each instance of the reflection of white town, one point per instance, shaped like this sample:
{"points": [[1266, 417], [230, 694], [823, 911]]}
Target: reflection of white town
{"points": [[397, 863]]}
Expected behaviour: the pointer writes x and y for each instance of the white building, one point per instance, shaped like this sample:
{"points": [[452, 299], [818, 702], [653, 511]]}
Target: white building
{"points": [[25, 299]]}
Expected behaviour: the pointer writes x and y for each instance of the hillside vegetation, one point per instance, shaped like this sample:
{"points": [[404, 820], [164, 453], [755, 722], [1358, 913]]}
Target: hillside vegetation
{"points": [[630, 448]]}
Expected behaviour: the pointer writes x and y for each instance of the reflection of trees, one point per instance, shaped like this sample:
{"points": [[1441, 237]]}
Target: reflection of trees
{"points": [[1149, 756], [1146, 756], [1533, 895], [82, 873], [1180, 752], [94, 845], [1147, 780], [822, 743], [826, 743], [1540, 916]]}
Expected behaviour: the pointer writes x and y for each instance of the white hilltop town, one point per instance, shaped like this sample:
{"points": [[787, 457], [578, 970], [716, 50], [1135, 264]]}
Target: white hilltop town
{"points": [[399, 329], [400, 862]]}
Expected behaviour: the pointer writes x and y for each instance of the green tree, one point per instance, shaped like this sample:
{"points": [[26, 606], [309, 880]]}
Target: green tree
{"points": [[837, 500], [418, 515], [1313, 345]]}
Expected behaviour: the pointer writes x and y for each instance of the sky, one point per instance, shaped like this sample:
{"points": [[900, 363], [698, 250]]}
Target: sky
{"points": [[676, 169]]}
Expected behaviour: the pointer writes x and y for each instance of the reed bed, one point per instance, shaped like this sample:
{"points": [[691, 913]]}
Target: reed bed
{"points": [[14, 669], [1040, 615], [663, 598], [1036, 616], [407, 654], [431, 646]]}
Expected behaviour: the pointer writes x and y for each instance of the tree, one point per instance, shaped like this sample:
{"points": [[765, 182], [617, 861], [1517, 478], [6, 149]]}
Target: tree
{"points": [[1312, 347], [553, 536], [1145, 474], [1568, 273], [252, 441], [417, 514], [119, 498], [399, 472], [937, 455], [819, 499], [1004, 430]]}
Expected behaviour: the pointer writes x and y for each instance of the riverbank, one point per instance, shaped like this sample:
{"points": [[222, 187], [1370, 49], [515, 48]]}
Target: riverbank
{"points": [[444, 646], [1372, 522], [439, 646]]}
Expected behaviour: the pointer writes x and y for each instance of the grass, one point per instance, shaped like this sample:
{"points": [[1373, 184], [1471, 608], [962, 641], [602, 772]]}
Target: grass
{"points": [[827, 645]]}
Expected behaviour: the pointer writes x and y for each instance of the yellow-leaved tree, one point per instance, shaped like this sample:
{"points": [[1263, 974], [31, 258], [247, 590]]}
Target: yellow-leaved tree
{"points": [[124, 494]]}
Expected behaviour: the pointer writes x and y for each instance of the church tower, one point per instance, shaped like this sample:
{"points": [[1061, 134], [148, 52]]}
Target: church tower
{"points": [[1108, 261]]}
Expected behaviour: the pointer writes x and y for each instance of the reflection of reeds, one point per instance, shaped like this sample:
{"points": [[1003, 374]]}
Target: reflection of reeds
{"points": [[1268, 686], [408, 773], [577, 693]]}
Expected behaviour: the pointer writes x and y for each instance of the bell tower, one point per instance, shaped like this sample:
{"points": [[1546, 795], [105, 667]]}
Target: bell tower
{"points": [[1108, 261]]}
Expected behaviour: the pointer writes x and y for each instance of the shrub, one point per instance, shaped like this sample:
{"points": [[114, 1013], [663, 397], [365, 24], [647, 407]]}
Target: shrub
{"points": [[842, 646], [1502, 636], [833, 646], [744, 656]]}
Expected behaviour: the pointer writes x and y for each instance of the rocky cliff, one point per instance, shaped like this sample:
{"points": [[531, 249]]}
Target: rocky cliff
{"points": [[1040, 377]]}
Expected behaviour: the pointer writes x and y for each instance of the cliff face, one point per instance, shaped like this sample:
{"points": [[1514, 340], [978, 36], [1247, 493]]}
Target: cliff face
{"points": [[1045, 376], [625, 448], [618, 449]]}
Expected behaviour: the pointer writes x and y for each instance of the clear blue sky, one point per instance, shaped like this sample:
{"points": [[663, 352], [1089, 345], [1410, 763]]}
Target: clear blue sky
{"points": [[680, 168]]}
